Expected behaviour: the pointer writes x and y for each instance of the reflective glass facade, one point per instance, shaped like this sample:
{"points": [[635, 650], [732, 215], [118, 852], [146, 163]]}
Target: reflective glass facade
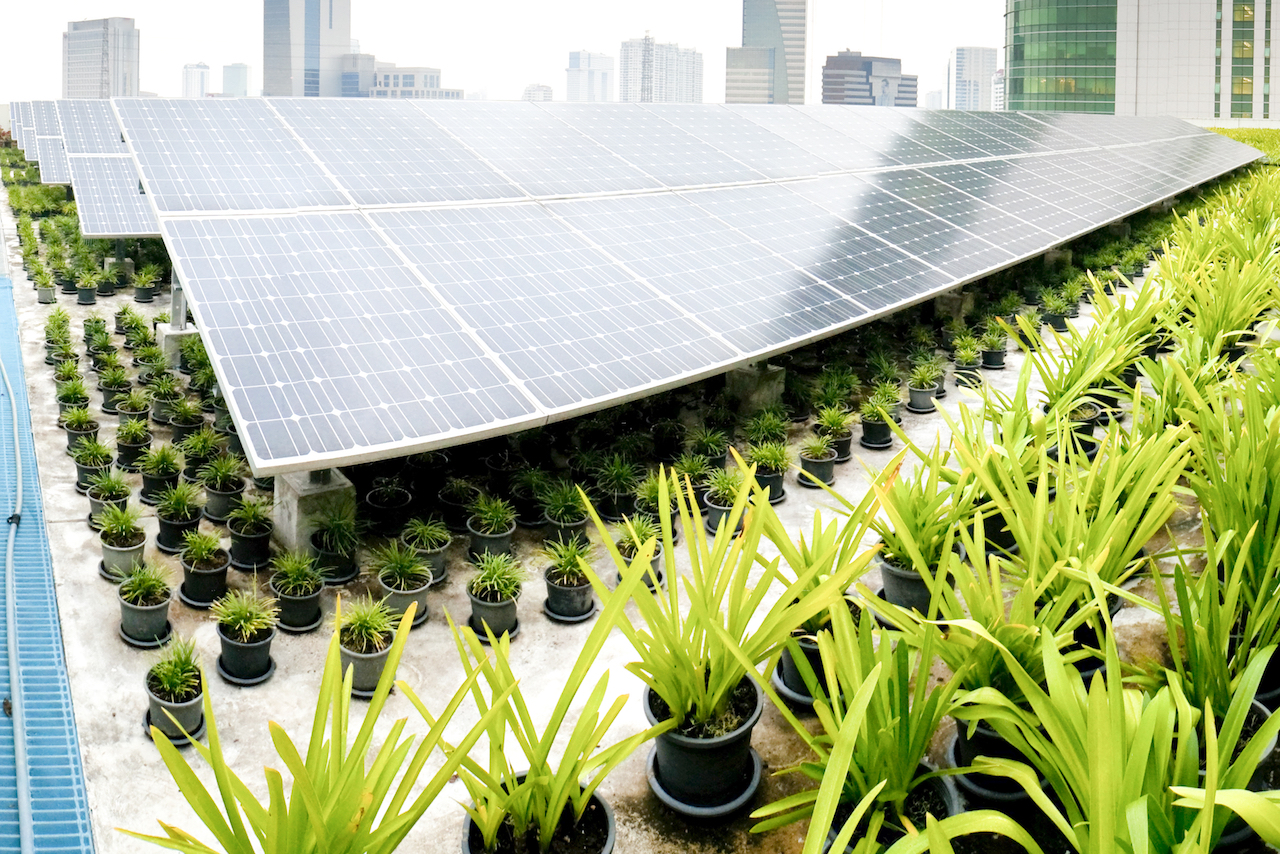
{"points": [[1060, 55]]}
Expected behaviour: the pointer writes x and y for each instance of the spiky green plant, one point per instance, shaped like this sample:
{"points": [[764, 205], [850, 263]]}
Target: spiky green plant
{"points": [[295, 574], [244, 616], [498, 578]]}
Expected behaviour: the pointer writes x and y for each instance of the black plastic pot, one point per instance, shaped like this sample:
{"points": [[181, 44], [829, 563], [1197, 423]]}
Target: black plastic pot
{"points": [[389, 512], [789, 676], [890, 833], [250, 552], [499, 616], [109, 398], [985, 741], [569, 603], [366, 669], [921, 400], [562, 532], [705, 777], [774, 482], [399, 600], [455, 512], [655, 577], [182, 431], [245, 664], [153, 485], [843, 446], [218, 503], [822, 471], [144, 625], [201, 587], [169, 537], [297, 613], [125, 415], [74, 436], [122, 558], [905, 588], [85, 474], [715, 513], [187, 716], [86, 296], [876, 435], [615, 506], [1057, 321], [337, 568], [968, 376], [483, 543], [597, 817], [436, 559], [144, 293], [97, 505], [993, 360]]}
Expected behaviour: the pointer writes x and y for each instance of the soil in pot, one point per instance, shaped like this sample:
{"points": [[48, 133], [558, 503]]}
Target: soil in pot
{"points": [[594, 834]]}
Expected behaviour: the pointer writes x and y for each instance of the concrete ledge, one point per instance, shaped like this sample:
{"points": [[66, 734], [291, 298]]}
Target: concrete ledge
{"points": [[299, 501], [171, 338]]}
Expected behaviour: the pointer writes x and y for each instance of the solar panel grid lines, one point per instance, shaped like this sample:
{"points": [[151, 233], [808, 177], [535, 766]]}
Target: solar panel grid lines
{"points": [[45, 116], [54, 167], [827, 143], [90, 127], [107, 197]]}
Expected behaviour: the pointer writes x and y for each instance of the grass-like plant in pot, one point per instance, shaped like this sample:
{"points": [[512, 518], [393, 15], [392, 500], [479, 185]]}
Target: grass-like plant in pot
{"points": [[246, 627], [871, 748], [165, 389], [713, 445], [430, 538], [107, 487], [72, 394], [65, 372], [91, 458], [145, 282], [133, 406], [366, 628], [224, 483], [922, 386], [494, 591], [765, 426], [994, 343], [526, 794], [185, 417], [877, 435], [199, 448], [527, 486], [723, 488], [817, 462], [616, 478], [160, 466], [178, 510], [836, 422], [456, 496], [403, 578], [335, 536], [250, 524], [204, 569], [698, 662], [361, 805], [79, 424], [771, 461], [144, 596], [570, 597], [636, 532], [565, 510], [390, 504], [694, 468], [113, 382], [175, 688], [296, 584], [123, 540], [492, 524]]}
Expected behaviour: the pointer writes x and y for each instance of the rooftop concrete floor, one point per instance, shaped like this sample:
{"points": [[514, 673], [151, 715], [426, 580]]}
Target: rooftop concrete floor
{"points": [[128, 785]]}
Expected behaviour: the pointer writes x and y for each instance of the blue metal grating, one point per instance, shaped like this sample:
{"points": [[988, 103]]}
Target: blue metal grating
{"points": [[60, 808]]}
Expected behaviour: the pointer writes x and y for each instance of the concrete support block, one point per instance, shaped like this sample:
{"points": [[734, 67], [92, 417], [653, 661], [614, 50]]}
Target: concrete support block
{"points": [[1055, 257], [953, 304], [127, 264], [300, 499], [170, 338], [755, 386], [1119, 229]]}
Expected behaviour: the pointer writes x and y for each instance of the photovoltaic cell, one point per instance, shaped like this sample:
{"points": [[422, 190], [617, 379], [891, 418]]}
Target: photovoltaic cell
{"points": [[54, 168], [325, 342], [90, 127], [897, 141], [571, 324], [825, 142], [390, 153], [45, 118], [222, 155], [962, 127], [1048, 137], [542, 156], [107, 198]]}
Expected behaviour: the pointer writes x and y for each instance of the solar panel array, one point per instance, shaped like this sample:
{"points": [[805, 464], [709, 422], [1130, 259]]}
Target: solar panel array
{"points": [[376, 278]]}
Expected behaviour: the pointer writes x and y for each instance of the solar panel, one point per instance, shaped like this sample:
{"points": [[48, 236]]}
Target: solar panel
{"points": [[90, 127], [45, 116], [376, 278], [536, 152], [222, 155], [107, 198], [325, 342], [568, 322], [26, 135], [54, 168]]}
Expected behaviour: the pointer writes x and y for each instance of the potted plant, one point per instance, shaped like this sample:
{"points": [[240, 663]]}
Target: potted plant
{"points": [[968, 361], [712, 445], [570, 597], [817, 462], [771, 461], [616, 478], [836, 423], [922, 387], [45, 291], [767, 425], [455, 498], [565, 510], [994, 344], [722, 488], [223, 481], [186, 418], [877, 435], [175, 689], [106, 488], [91, 458], [178, 510], [694, 469], [113, 382], [1056, 309], [390, 505], [160, 466], [491, 525], [493, 592], [165, 390], [527, 487], [79, 424], [366, 628], [87, 286], [402, 577], [636, 532], [145, 282], [430, 538], [72, 394], [204, 570], [133, 438], [296, 584], [122, 538], [246, 627], [144, 596], [698, 661], [197, 449], [250, 524], [335, 538], [133, 406]]}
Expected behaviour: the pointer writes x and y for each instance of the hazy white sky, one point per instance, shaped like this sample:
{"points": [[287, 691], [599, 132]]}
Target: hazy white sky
{"points": [[495, 46]]}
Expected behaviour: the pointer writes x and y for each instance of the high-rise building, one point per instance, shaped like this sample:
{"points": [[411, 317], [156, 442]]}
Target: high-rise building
{"points": [[536, 92], [359, 72], [392, 81], [997, 90], [851, 78], [779, 26], [235, 80], [195, 80], [659, 73], [933, 100], [303, 45], [969, 73], [100, 59], [590, 77], [749, 75]]}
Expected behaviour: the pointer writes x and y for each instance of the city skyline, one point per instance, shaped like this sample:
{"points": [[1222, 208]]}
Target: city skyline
{"points": [[532, 43]]}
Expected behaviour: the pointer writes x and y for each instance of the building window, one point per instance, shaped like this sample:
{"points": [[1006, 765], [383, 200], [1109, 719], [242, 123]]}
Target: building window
{"points": [[407, 80]]}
